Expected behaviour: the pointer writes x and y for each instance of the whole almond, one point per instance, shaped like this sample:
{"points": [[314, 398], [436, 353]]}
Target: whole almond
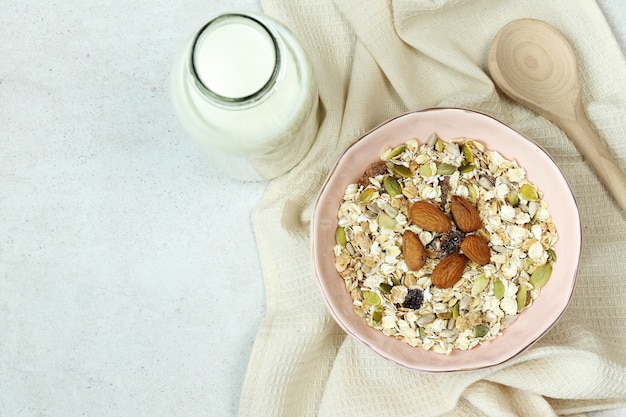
{"points": [[429, 217], [413, 251], [464, 214], [448, 271], [476, 248]]}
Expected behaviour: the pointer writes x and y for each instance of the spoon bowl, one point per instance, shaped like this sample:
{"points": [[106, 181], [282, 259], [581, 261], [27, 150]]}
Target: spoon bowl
{"points": [[535, 65]]}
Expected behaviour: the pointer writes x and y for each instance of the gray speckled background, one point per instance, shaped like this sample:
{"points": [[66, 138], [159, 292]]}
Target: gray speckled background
{"points": [[129, 278]]}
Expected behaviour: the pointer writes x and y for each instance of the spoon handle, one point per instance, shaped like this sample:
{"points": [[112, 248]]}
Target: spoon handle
{"points": [[596, 154]]}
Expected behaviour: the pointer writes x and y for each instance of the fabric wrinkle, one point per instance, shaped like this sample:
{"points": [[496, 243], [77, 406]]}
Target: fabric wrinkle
{"points": [[374, 61]]}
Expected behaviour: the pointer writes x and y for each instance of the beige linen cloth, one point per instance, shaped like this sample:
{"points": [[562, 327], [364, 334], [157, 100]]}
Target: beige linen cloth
{"points": [[375, 59]]}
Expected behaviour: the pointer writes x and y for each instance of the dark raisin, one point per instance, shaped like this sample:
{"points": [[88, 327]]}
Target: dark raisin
{"points": [[413, 299], [451, 242], [445, 244]]}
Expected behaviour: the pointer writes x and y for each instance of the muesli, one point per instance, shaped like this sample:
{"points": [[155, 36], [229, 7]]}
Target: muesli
{"points": [[443, 244]]}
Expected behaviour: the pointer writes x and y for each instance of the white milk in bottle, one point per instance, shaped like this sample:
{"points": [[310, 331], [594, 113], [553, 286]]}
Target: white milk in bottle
{"points": [[244, 91]]}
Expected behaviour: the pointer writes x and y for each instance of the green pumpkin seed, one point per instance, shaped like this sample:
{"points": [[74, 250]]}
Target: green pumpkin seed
{"points": [[551, 255], [371, 297], [439, 145], [467, 153], [366, 195], [541, 275], [385, 288], [393, 152], [445, 169], [455, 310], [392, 186], [340, 236], [513, 198], [472, 191], [528, 193], [498, 289], [464, 169], [402, 171], [527, 264], [481, 330], [386, 221], [422, 333], [377, 315], [425, 170], [522, 294], [480, 283]]}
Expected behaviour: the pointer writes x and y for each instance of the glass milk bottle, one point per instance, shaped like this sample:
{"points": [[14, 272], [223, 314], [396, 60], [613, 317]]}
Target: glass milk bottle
{"points": [[244, 91]]}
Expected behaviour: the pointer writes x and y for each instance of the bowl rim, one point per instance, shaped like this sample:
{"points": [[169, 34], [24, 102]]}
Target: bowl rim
{"points": [[387, 346]]}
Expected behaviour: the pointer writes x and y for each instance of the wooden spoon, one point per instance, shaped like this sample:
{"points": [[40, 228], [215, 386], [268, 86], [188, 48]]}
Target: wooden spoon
{"points": [[535, 65]]}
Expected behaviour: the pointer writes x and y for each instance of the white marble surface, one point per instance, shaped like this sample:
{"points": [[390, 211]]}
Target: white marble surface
{"points": [[129, 279]]}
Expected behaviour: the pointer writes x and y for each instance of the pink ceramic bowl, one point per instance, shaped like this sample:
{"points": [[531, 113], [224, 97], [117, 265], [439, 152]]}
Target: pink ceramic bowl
{"points": [[535, 321]]}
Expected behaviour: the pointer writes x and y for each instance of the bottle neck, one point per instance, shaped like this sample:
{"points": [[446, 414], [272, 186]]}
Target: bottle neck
{"points": [[235, 61]]}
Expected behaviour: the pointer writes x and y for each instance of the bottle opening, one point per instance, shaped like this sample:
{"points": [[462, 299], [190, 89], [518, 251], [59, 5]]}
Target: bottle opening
{"points": [[235, 57]]}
